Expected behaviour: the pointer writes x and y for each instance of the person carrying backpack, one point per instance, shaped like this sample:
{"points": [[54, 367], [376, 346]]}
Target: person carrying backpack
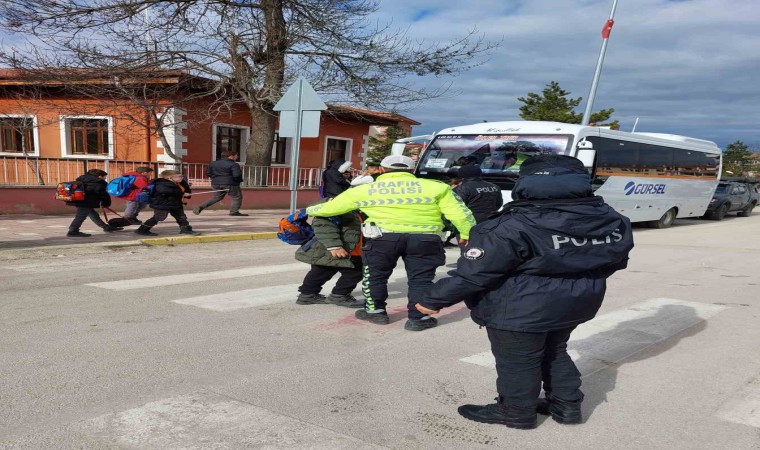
{"points": [[134, 207], [170, 194], [335, 248], [95, 196]]}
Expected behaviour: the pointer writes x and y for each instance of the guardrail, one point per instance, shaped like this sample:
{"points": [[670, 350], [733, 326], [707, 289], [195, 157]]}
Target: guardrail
{"points": [[32, 171]]}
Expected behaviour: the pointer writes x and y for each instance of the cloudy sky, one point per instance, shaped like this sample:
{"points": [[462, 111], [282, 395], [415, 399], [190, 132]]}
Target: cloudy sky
{"points": [[688, 67]]}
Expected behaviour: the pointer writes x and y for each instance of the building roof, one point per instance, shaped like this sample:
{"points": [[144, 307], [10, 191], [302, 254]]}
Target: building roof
{"points": [[368, 115], [68, 76]]}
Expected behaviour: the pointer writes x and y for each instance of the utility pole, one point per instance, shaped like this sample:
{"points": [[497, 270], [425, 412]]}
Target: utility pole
{"points": [[605, 37]]}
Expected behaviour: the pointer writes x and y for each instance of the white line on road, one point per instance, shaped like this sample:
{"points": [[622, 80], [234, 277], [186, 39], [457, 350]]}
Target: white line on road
{"points": [[208, 420], [250, 298], [170, 280], [613, 337], [744, 408]]}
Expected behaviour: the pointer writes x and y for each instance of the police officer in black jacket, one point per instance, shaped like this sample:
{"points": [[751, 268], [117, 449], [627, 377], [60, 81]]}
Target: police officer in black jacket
{"points": [[483, 198], [531, 275], [226, 177]]}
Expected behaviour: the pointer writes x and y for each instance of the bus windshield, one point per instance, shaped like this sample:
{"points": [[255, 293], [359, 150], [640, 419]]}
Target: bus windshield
{"points": [[499, 156]]}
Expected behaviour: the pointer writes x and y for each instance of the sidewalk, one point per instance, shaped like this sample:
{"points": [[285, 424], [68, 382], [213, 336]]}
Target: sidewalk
{"points": [[29, 231]]}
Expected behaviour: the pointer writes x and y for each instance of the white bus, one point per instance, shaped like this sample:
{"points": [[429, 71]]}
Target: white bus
{"points": [[648, 177]]}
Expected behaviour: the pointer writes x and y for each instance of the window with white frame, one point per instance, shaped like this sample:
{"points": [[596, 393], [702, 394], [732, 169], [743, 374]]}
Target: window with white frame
{"points": [[229, 138], [88, 137], [337, 148], [17, 135]]}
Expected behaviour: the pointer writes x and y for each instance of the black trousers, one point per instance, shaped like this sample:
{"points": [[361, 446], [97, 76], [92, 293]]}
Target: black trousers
{"points": [[319, 275], [83, 213], [422, 255], [524, 360], [160, 215], [234, 191]]}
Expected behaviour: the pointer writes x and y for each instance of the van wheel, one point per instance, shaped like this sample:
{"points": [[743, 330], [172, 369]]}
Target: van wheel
{"points": [[665, 221], [746, 212], [719, 213]]}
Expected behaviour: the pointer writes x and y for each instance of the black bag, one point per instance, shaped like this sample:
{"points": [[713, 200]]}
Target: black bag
{"points": [[120, 221]]}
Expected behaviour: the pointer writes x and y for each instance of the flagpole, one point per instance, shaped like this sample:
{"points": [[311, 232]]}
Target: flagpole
{"points": [[594, 84]]}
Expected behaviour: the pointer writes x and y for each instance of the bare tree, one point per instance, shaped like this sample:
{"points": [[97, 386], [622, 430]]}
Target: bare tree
{"points": [[251, 49]]}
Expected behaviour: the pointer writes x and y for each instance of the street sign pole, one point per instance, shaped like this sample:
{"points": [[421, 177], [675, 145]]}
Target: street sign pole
{"points": [[294, 155], [594, 84], [300, 109]]}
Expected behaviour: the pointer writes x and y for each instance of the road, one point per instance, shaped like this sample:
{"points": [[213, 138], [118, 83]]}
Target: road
{"points": [[202, 346]]}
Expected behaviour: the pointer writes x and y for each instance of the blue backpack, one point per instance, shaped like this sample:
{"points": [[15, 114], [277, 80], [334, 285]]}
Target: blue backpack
{"points": [[121, 186], [146, 194], [294, 229]]}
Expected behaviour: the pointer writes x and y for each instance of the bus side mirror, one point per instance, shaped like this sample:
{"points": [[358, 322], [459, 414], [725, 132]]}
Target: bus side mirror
{"points": [[586, 155]]}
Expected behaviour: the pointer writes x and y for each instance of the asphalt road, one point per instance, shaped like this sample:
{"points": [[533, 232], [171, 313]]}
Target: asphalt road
{"points": [[202, 346]]}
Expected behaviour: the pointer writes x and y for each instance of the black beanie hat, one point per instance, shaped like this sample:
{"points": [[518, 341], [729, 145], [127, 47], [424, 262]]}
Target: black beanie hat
{"points": [[469, 171]]}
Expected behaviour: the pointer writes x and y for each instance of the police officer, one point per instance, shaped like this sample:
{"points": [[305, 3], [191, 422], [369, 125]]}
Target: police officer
{"points": [[483, 198], [530, 276], [403, 221]]}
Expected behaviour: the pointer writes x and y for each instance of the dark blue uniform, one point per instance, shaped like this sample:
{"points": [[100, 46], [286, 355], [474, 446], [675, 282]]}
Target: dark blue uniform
{"points": [[536, 271]]}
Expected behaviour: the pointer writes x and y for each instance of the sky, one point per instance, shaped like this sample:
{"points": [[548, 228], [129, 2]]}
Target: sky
{"points": [[689, 67]]}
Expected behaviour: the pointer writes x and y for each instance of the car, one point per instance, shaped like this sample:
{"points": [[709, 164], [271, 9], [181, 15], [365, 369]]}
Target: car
{"points": [[738, 195]]}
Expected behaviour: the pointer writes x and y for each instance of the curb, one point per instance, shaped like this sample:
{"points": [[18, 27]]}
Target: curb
{"points": [[209, 238]]}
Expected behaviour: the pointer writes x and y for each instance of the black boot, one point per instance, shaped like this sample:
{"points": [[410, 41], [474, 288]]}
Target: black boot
{"points": [[421, 324], [77, 233], [380, 318], [562, 411], [188, 230], [311, 299], [145, 231], [501, 413], [197, 210], [348, 300]]}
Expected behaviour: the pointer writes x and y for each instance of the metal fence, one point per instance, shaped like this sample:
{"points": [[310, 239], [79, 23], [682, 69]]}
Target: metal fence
{"points": [[30, 171]]}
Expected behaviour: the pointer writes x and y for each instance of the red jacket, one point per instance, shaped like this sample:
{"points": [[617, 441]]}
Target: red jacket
{"points": [[140, 182]]}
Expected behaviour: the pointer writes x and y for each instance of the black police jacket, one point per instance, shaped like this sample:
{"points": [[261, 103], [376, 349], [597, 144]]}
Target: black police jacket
{"points": [[540, 265], [483, 198], [225, 172], [95, 194]]}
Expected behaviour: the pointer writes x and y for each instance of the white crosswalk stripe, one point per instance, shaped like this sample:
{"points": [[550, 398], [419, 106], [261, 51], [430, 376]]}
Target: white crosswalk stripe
{"points": [[612, 337], [170, 280], [249, 298]]}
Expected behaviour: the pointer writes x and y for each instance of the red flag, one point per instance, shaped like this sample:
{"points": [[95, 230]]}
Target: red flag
{"points": [[607, 29]]}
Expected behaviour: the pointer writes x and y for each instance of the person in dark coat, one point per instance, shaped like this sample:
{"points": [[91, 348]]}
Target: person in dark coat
{"points": [[95, 196], [335, 248], [334, 180], [226, 177], [170, 195], [483, 198], [531, 275]]}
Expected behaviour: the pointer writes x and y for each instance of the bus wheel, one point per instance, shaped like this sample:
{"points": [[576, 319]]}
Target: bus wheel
{"points": [[665, 221]]}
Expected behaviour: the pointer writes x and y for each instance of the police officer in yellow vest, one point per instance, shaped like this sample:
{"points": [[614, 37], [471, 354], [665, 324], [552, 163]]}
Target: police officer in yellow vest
{"points": [[403, 220]]}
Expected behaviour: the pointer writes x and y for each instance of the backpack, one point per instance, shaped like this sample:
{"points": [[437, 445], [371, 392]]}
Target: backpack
{"points": [[121, 186], [70, 191], [294, 229], [146, 194]]}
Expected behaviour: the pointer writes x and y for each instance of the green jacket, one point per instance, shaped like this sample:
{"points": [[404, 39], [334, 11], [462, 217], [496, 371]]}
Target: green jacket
{"points": [[399, 202], [328, 234]]}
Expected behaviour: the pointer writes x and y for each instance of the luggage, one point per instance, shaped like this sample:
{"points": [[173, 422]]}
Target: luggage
{"points": [[294, 229], [146, 194], [121, 186]]}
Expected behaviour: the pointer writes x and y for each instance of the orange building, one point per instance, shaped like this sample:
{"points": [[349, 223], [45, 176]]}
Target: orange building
{"points": [[44, 119]]}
